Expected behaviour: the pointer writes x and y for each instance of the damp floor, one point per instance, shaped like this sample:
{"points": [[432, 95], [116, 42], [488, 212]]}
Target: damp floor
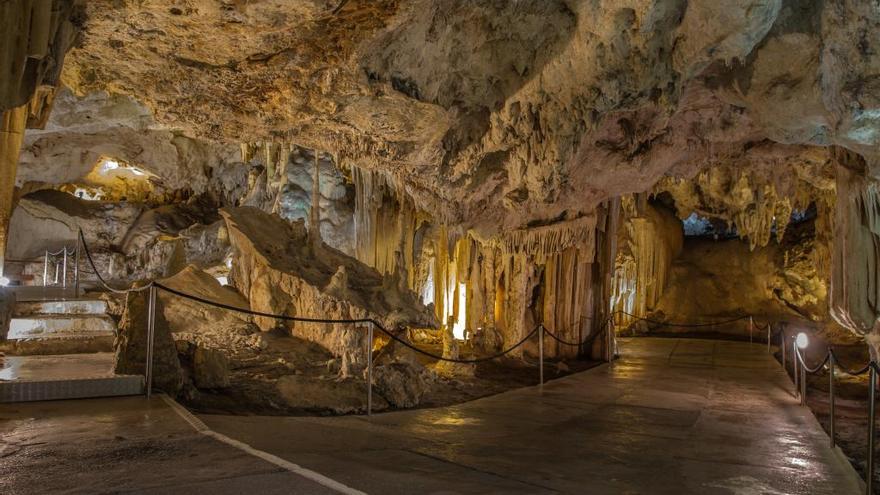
{"points": [[672, 416]]}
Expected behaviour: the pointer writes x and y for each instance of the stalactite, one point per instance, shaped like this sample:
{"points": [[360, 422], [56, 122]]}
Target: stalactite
{"points": [[541, 242], [480, 288], [650, 241], [756, 206]]}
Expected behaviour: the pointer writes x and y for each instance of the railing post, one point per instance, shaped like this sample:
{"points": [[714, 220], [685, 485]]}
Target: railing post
{"points": [[151, 327], [580, 337], [46, 269], [869, 470], [541, 354], [76, 270], [64, 269], [370, 368], [609, 353], [831, 396], [751, 329], [794, 369], [803, 371], [783, 345]]}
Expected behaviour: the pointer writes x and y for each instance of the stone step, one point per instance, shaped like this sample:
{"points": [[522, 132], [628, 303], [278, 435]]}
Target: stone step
{"points": [[69, 307], [39, 293], [60, 326], [77, 376], [73, 388], [58, 345]]}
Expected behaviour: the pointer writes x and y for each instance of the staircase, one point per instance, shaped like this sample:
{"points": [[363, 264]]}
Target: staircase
{"points": [[60, 348]]}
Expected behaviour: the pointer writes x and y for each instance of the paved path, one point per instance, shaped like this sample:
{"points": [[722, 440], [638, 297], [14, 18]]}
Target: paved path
{"points": [[673, 416], [125, 445]]}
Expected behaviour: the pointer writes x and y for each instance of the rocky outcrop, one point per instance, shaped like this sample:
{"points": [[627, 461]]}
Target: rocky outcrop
{"points": [[131, 345], [82, 132], [281, 272]]}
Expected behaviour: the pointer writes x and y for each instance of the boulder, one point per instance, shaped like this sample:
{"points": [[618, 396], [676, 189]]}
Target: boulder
{"points": [[131, 345], [280, 271], [210, 368], [401, 384], [7, 305]]}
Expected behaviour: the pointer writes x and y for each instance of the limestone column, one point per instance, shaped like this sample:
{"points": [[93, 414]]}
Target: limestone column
{"points": [[12, 127]]}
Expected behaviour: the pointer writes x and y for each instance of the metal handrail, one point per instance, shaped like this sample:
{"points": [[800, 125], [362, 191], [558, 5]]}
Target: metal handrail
{"points": [[62, 271], [830, 360]]}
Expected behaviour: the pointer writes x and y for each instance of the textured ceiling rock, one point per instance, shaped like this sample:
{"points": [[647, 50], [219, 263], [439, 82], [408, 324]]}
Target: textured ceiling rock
{"points": [[497, 114], [82, 131]]}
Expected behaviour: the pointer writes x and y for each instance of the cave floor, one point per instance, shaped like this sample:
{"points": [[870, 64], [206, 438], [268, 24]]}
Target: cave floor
{"points": [[671, 416]]}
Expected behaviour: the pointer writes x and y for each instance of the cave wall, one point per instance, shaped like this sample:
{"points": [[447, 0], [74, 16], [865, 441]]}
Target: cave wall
{"points": [[35, 36]]}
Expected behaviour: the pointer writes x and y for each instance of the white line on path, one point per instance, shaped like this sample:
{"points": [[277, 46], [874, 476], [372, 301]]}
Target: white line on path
{"points": [[202, 428]]}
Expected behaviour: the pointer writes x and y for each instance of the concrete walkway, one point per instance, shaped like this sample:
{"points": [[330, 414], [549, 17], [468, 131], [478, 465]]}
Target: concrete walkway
{"points": [[673, 416]]}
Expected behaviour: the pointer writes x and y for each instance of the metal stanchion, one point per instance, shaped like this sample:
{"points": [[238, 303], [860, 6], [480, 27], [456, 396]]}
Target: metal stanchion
{"points": [[794, 369], [869, 470], [580, 338], [803, 379], [76, 270], [370, 369], [783, 346], [751, 329], [831, 397], [151, 326], [46, 269], [64, 270], [541, 354]]}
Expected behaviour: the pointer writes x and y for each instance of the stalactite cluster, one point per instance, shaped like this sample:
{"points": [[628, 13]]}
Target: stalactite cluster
{"points": [[649, 241], [490, 291], [757, 203]]}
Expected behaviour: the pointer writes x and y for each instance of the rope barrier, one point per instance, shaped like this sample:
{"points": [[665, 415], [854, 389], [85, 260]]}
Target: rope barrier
{"points": [[347, 321], [258, 313], [98, 274], [858, 372], [299, 318], [682, 325], [817, 368], [587, 341]]}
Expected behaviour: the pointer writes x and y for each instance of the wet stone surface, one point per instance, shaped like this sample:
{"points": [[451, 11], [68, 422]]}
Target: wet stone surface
{"points": [[672, 416]]}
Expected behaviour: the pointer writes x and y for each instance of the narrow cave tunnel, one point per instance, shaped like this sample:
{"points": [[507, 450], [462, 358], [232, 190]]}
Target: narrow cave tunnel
{"points": [[439, 246]]}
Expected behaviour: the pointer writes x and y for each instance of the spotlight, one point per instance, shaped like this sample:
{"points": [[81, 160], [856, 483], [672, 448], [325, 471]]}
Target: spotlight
{"points": [[4, 281], [802, 340]]}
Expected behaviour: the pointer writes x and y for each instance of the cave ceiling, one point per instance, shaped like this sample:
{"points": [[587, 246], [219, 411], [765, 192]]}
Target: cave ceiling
{"points": [[499, 114]]}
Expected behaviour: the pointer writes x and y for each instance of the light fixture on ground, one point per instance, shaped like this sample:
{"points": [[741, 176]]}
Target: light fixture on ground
{"points": [[4, 281], [802, 340]]}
